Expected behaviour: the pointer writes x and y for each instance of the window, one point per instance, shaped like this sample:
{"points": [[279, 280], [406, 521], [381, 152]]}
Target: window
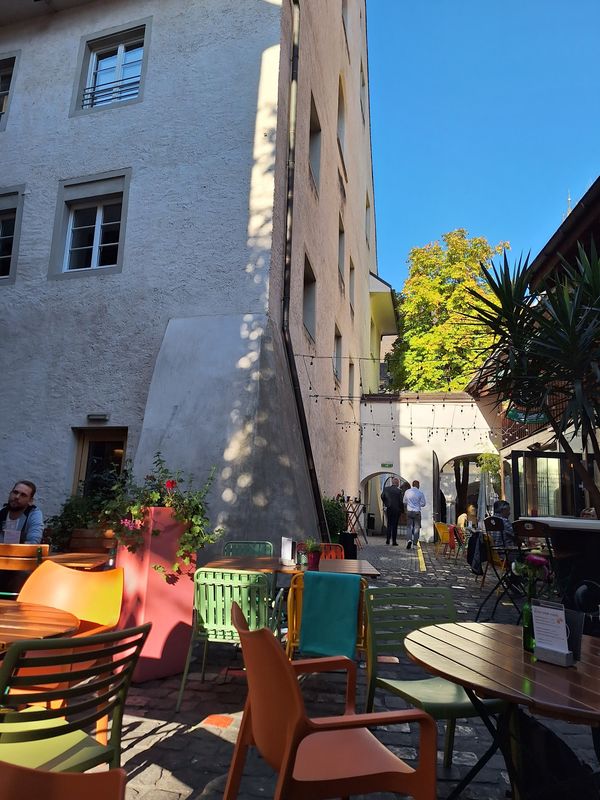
{"points": [[345, 22], [309, 300], [90, 225], [93, 235], [337, 355], [351, 281], [314, 147], [363, 93], [99, 450], [10, 223], [368, 220], [351, 381], [7, 68], [112, 66], [341, 118], [341, 250]]}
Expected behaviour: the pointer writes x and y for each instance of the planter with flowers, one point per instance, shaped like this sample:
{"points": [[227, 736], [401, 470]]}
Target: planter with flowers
{"points": [[160, 525]]}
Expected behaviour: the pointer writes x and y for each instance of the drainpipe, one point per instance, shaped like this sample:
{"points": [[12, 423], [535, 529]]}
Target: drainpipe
{"points": [[287, 267]]}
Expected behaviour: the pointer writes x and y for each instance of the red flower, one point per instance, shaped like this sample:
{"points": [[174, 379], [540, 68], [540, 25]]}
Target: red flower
{"points": [[169, 485]]}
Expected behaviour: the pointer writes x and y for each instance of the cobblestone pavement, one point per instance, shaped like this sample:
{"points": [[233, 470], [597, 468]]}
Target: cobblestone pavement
{"points": [[172, 756]]}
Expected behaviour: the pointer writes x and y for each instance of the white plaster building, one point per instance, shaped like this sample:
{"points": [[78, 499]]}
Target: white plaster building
{"points": [[413, 435], [187, 247]]}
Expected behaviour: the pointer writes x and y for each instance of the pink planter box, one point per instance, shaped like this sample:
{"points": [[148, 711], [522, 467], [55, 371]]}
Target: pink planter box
{"points": [[148, 597]]}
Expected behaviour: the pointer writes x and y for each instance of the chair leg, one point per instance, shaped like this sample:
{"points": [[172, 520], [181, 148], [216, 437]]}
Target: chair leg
{"points": [[449, 742], [186, 669], [370, 697], [236, 769], [204, 658]]}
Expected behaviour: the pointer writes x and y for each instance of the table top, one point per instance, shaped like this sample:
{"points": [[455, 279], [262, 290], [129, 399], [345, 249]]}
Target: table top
{"points": [[489, 658], [31, 621], [567, 523], [349, 566]]}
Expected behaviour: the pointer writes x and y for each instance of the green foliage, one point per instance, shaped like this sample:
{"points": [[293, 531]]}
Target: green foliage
{"points": [[335, 515], [312, 545], [125, 510], [77, 512], [545, 355], [438, 348], [490, 463]]}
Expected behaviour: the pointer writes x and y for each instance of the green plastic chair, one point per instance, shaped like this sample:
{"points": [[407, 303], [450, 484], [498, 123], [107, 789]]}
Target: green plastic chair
{"points": [[76, 685], [248, 549], [214, 592], [392, 613]]}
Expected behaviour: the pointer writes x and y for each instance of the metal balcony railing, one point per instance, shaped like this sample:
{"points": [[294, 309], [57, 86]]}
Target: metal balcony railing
{"points": [[113, 92]]}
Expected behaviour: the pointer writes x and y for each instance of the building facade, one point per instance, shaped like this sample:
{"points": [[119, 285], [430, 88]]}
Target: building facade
{"points": [[187, 247]]}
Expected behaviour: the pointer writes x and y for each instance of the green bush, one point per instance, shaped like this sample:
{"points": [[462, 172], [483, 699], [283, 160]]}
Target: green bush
{"points": [[77, 512], [335, 515]]}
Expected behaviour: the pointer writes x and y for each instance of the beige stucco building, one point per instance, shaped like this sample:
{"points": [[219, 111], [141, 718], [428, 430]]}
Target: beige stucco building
{"points": [[188, 257]]}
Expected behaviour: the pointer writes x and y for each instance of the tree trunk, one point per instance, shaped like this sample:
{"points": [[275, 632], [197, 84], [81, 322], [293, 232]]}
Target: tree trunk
{"points": [[461, 481]]}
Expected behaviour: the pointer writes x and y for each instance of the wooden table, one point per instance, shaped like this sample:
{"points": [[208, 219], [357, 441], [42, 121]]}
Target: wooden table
{"points": [[84, 561], [348, 566], [567, 524], [31, 621], [488, 660]]}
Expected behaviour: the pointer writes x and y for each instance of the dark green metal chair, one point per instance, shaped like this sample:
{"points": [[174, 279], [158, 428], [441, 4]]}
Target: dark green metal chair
{"points": [[214, 592], [248, 548], [392, 613]]}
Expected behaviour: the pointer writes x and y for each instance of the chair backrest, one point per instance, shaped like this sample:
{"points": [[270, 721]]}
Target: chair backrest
{"points": [[276, 704], [294, 615], [91, 540], [493, 525], [214, 592], [523, 528], [442, 531], [97, 671], [243, 548], [27, 783], [22, 557], [494, 556], [329, 550], [394, 611], [94, 597]]}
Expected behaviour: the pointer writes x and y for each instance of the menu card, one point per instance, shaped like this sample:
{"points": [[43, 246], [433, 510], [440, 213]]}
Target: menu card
{"points": [[549, 626], [288, 551]]}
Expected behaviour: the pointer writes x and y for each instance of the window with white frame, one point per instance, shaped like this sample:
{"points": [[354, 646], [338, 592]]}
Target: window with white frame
{"points": [[314, 145], [93, 235], [112, 65], [89, 225], [11, 201], [351, 284], [309, 300], [341, 250], [7, 68]]}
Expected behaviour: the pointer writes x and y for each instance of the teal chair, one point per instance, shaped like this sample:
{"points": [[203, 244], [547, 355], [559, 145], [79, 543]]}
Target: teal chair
{"points": [[245, 548], [214, 592], [392, 613]]}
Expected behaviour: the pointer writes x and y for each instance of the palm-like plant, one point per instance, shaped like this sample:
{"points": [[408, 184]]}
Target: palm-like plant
{"points": [[544, 363]]}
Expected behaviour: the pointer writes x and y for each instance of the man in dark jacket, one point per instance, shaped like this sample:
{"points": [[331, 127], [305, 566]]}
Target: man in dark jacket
{"points": [[393, 497]]}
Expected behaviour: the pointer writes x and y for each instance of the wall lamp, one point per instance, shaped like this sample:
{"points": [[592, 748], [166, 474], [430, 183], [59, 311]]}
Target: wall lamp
{"points": [[98, 417]]}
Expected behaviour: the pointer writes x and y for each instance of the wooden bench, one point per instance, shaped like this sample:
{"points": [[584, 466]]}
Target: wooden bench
{"points": [[92, 540], [22, 557]]}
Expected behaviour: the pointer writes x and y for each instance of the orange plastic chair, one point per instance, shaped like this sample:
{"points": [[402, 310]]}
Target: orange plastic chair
{"points": [[332, 550], [33, 783], [94, 597], [326, 757]]}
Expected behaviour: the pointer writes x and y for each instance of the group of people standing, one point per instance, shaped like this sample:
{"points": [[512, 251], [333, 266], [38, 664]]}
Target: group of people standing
{"points": [[397, 498]]}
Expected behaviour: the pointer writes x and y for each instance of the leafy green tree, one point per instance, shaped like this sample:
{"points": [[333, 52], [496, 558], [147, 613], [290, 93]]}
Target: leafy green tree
{"points": [[438, 347]]}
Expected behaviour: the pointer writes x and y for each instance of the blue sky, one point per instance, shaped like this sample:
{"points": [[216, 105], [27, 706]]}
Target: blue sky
{"points": [[484, 115]]}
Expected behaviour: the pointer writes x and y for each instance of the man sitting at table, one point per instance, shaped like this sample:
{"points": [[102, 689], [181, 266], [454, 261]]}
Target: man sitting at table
{"points": [[21, 521], [506, 538]]}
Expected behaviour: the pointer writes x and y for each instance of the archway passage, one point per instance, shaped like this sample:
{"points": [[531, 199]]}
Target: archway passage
{"points": [[371, 488], [464, 484]]}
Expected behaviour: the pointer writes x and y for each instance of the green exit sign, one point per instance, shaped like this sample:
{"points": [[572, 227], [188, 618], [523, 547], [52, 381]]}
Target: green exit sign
{"points": [[387, 466]]}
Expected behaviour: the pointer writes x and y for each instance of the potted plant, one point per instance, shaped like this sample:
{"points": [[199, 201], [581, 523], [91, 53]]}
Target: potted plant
{"points": [[160, 524], [313, 553]]}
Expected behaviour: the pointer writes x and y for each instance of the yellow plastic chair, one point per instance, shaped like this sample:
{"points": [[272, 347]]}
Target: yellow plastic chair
{"points": [[93, 597], [328, 757], [31, 784], [294, 615], [443, 536]]}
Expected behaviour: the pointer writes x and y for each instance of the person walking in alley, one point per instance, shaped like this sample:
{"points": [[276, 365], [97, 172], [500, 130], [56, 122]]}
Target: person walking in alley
{"points": [[414, 500], [392, 497]]}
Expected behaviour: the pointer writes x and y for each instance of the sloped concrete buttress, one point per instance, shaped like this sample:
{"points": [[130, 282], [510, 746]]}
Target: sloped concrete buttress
{"points": [[220, 396]]}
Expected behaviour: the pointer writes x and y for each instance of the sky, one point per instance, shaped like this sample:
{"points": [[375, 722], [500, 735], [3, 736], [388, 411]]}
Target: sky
{"points": [[485, 115]]}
